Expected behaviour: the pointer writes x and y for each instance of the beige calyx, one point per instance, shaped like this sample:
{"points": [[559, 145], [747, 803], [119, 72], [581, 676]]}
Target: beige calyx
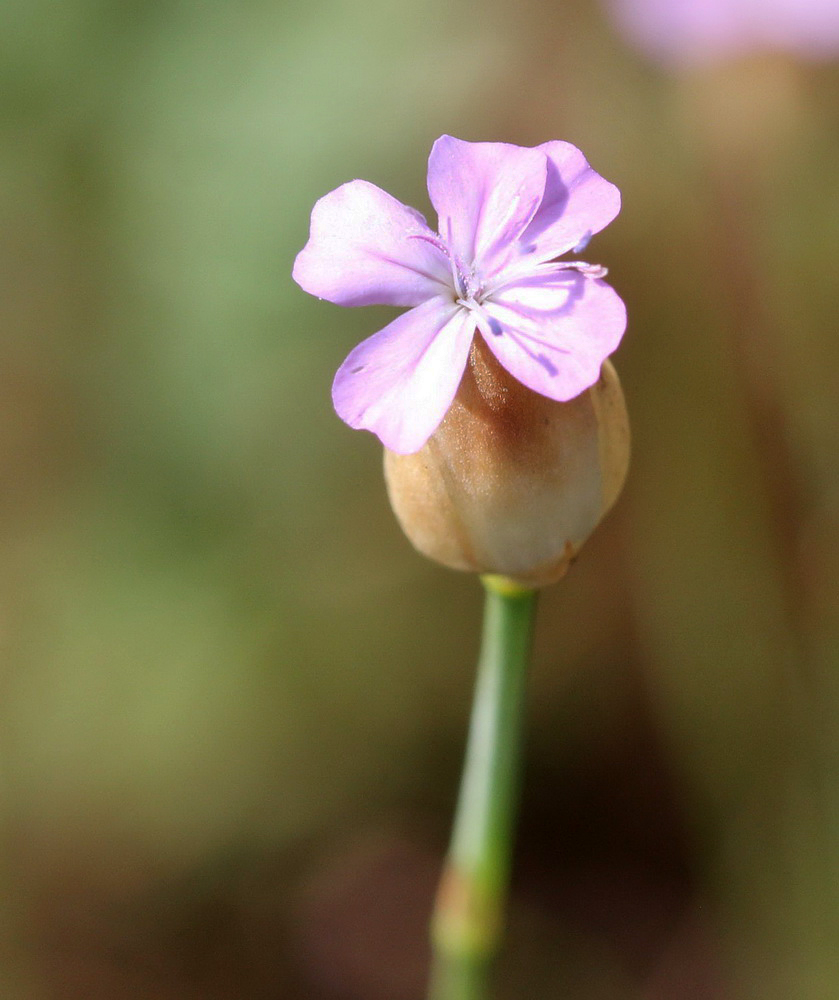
{"points": [[511, 482]]}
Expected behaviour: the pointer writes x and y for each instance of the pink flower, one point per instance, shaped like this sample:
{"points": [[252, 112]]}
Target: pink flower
{"points": [[704, 31], [505, 214]]}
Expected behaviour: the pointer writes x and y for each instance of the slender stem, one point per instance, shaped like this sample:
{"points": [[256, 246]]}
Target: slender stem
{"points": [[468, 917]]}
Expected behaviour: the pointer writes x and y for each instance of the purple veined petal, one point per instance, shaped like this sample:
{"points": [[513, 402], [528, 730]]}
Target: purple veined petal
{"points": [[363, 250], [400, 382], [553, 333], [485, 193], [577, 203]]}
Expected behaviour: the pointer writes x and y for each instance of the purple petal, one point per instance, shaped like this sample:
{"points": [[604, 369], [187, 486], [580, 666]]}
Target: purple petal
{"points": [[577, 203], [553, 333], [400, 382], [485, 193], [684, 32], [363, 250]]}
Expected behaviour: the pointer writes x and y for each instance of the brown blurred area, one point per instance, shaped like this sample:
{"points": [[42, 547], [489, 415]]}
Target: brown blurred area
{"points": [[234, 700]]}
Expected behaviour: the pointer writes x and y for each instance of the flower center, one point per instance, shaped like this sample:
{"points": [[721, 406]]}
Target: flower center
{"points": [[471, 292], [466, 285]]}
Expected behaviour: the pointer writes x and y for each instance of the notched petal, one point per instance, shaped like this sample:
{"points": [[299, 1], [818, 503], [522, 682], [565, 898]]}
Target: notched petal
{"points": [[400, 382], [485, 194], [557, 332], [363, 250], [577, 203]]}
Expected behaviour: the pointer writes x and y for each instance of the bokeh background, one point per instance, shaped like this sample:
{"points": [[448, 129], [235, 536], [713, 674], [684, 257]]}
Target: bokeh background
{"points": [[233, 700]]}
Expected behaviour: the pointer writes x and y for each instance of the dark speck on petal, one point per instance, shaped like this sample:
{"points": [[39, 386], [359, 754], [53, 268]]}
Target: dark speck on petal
{"points": [[356, 370], [495, 327]]}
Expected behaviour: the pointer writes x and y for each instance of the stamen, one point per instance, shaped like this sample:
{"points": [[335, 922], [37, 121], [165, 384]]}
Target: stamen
{"points": [[590, 270], [433, 239], [512, 276], [462, 281]]}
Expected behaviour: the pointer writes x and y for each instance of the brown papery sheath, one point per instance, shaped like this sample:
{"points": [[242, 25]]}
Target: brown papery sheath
{"points": [[511, 482]]}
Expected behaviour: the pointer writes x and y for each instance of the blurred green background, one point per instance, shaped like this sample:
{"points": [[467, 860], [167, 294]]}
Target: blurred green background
{"points": [[233, 698]]}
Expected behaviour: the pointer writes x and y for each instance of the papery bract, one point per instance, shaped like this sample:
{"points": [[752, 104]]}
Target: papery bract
{"points": [[693, 32], [505, 214]]}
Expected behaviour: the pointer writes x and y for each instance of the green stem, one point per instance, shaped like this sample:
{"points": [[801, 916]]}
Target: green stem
{"points": [[468, 917]]}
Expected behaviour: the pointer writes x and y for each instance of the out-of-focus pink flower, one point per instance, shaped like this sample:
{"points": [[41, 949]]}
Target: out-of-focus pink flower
{"points": [[704, 31], [505, 214]]}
